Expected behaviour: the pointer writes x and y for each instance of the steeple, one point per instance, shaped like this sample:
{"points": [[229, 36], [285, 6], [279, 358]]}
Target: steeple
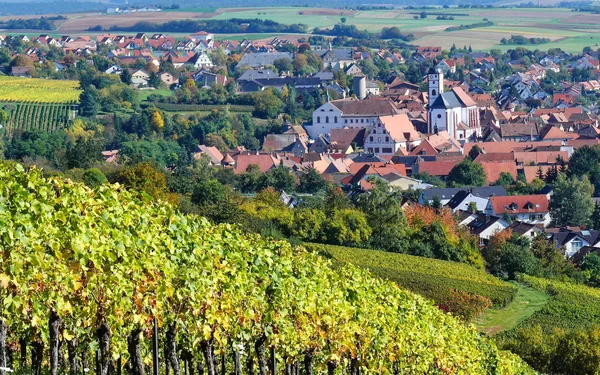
{"points": [[435, 79]]}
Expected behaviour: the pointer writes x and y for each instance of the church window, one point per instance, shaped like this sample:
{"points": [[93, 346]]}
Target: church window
{"points": [[335, 119], [439, 116], [433, 92], [435, 129], [318, 120], [327, 119]]}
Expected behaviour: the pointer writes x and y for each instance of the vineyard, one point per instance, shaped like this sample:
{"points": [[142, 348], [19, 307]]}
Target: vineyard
{"points": [[455, 287], [85, 273], [16, 89], [37, 116]]}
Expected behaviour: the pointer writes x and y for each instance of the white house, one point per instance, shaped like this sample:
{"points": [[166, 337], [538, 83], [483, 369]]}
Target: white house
{"points": [[464, 200], [389, 133], [486, 226], [531, 209], [350, 112], [202, 60], [454, 111]]}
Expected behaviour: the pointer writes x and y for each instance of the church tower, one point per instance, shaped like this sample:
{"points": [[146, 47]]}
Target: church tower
{"points": [[436, 84]]}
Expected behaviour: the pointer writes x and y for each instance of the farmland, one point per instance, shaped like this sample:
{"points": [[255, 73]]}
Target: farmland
{"points": [[438, 280], [30, 116], [15, 89], [568, 30]]}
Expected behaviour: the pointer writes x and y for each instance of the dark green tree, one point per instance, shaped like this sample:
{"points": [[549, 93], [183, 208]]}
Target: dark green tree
{"points": [[467, 173], [311, 182], [126, 76], [571, 202]]}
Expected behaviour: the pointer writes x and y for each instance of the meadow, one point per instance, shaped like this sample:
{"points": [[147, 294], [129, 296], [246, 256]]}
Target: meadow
{"points": [[17, 89], [569, 30]]}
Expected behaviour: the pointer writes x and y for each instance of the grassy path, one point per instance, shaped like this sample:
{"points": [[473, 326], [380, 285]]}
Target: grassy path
{"points": [[526, 302]]}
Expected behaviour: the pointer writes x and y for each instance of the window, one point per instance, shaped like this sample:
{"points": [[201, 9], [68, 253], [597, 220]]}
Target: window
{"points": [[322, 110], [433, 92], [327, 119], [379, 139], [439, 116], [318, 120], [386, 150], [352, 121], [576, 244], [370, 139], [377, 150], [379, 125], [362, 120], [387, 139], [370, 150], [346, 121], [435, 129], [335, 119]]}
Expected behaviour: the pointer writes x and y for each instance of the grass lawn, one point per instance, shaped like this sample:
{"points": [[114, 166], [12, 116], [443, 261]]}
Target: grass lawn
{"points": [[525, 304], [144, 94]]}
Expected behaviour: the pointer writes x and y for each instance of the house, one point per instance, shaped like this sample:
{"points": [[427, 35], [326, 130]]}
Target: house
{"points": [[353, 69], [201, 61], [21, 71], [211, 152], [350, 112], [263, 161], [114, 69], [285, 143], [445, 194], [485, 226], [531, 209], [453, 111], [260, 59], [208, 79], [167, 78], [347, 139], [337, 59], [140, 74], [389, 133], [464, 200], [571, 240], [526, 230]]}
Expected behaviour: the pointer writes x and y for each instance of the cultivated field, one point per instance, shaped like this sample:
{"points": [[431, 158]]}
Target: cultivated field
{"points": [[16, 89], [568, 30]]}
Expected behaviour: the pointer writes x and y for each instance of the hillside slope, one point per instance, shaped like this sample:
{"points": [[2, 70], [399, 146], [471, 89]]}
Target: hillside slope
{"points": [[106, 262]]}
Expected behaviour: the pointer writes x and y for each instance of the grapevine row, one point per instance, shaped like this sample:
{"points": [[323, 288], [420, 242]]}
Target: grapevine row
{"points": [[85, 269], [38, 116]]}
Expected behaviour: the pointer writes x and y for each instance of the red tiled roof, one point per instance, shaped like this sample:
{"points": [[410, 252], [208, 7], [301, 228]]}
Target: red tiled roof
{"points": [[264, 162], [495, 156], [437, 168], [517, 204], [494, 169], [531, 171]]}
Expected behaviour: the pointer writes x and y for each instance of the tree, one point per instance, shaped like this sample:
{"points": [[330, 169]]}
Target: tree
{"points": [[467, 173], [283, 65], [126, 76], [585, 162], [474, 152], [22, 61], [267, 105], [505, 179], [343, 20], [94, 177], [348, 227], [311, 182], [208, 193], [156, 121], [154, 80], [591, 268], [383, 207], [144, 177], [423, 15], [280, 178], [571, 202], [88, 104]]}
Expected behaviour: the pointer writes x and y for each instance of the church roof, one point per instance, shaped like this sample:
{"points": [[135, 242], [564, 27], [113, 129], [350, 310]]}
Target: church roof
{"points": [[446, 100]]}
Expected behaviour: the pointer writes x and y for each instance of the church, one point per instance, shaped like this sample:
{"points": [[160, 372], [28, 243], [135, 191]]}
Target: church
{"points": [[453, 111]]}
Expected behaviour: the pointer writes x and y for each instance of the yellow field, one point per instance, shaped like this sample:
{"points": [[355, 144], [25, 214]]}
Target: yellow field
{"points": [[17, 89]]}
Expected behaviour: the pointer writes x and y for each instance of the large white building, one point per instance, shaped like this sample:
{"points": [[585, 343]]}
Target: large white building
{"points": [[389, 133], [351, 113], [452, 111]]}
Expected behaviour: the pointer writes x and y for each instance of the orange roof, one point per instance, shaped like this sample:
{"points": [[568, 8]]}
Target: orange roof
{"points": [[506, 146], [464, 97], [355, 167], [400, 127], [264, 162], [495, 156], [540, 157], [494, 169], [425, 148], [531, 171], [437, 168], [517, 204]]}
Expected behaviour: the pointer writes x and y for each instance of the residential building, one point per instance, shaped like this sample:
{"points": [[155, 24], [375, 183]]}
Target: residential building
{"points": [[389, 133], [531, 209]]}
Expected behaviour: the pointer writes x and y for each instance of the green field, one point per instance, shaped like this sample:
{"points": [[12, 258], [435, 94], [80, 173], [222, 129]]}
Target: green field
{"points": [[456, 287], [144, 94], [17, 89], [524, 305]]}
